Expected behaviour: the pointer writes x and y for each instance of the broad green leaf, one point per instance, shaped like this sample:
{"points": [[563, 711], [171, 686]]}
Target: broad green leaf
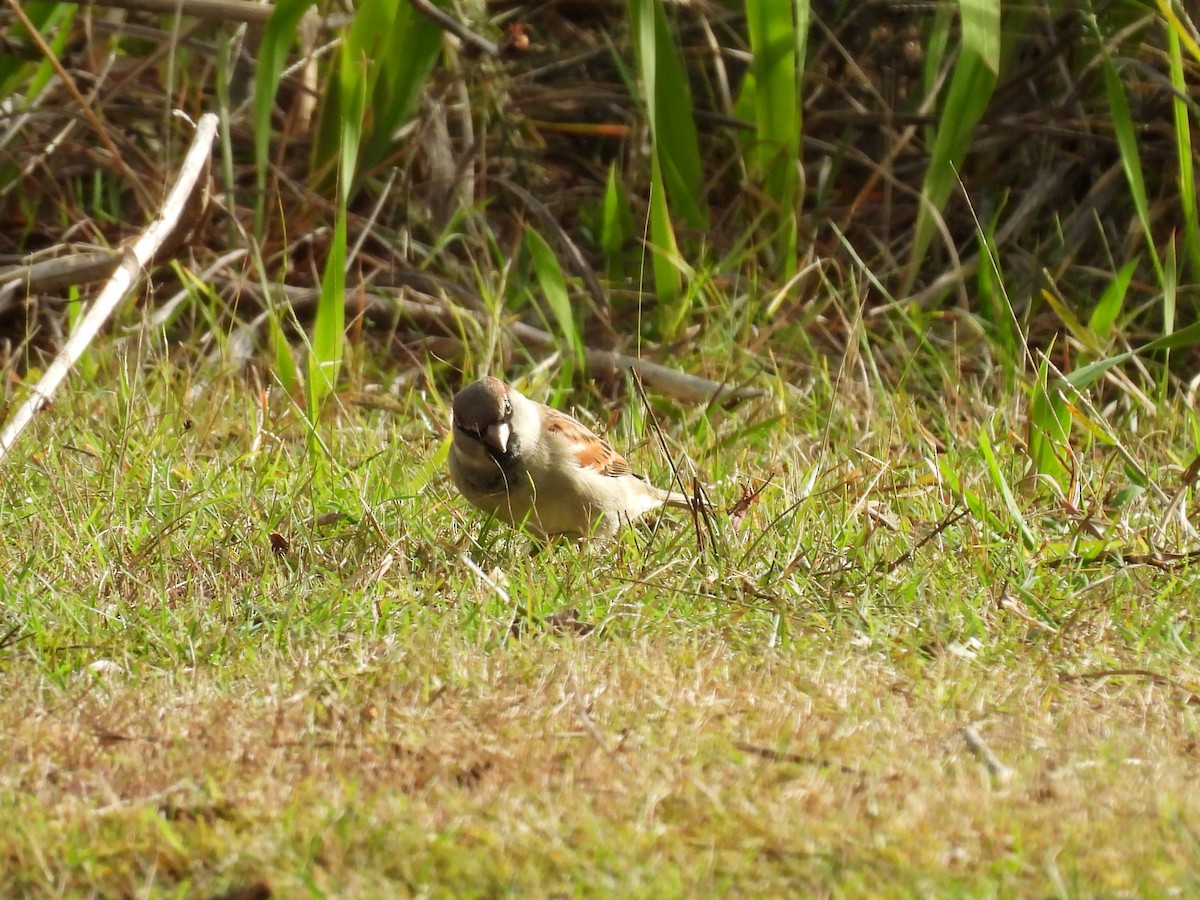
{"points": [[325, 353], [329, 328], [285, 361], [393, 49], [405, 46], [1185, 155], [981, 31], [668, 281], [776, 45], [616, 225]]}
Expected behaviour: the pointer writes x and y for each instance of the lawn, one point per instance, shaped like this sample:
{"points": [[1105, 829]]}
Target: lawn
{"points": [[908, 291], [231, 662]]}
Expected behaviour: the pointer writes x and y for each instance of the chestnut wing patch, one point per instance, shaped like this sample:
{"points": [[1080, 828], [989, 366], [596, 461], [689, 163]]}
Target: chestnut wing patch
{"points": [[590, 451]]}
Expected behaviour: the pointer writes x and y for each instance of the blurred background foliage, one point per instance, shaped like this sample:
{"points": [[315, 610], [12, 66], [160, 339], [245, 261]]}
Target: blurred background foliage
{"points": [[639, 175]]}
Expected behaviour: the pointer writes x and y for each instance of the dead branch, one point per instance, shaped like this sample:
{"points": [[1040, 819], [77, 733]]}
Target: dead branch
{"points": [[220, 10], [430, 311], [162, 230]]}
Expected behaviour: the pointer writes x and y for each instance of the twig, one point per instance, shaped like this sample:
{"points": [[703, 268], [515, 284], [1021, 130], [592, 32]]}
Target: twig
{"points": [[908, 554], [998, 770], [55, 274], [681, 386], [224, 10], [157, 234], [455, 27], [799, 759]]}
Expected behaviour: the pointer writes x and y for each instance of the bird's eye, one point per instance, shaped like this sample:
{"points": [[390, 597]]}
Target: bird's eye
{"points": [[507, 407]]}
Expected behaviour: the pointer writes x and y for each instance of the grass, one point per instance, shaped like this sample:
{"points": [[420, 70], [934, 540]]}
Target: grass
{"points": [[938, 637], [351, 710]]}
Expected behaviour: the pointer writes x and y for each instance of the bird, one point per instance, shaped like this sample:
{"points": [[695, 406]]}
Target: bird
{"points": [[534, 467]]}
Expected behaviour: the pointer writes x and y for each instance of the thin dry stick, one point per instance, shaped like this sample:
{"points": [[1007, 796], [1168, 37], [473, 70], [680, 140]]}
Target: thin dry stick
{"points": [[136, 258], [998, 770], [682, 386], [223, 10], [453, 26]]}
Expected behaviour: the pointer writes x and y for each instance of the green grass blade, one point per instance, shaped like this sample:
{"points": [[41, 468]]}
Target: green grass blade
{"points": [[1127, 143], [554, 289], [1112, 301], [1006, 494], [995, 307], [1049, 425], [970, 91], [285, 360], [616, 226], [353, 88], [1178, 30], [776, 44], [664, 251], [53, 23], [278, 36], [394, 49], [329, 328], [1184, 154], [1188, 336], [668, 99], [970, 499], [328, 334]]}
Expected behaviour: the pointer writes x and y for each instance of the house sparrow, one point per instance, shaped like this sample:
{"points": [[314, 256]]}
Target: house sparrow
{"points": [[537, 468]]}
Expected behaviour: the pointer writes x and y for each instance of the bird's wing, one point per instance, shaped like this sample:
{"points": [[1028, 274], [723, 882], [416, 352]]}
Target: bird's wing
{"points": [[588, 450]]}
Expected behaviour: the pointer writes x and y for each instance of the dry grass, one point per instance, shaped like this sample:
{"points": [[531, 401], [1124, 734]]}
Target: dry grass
{"points": [[673, 764]]}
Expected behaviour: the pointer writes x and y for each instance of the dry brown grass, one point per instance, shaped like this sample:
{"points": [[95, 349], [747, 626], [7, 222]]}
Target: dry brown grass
{"points": [[676, 764]]}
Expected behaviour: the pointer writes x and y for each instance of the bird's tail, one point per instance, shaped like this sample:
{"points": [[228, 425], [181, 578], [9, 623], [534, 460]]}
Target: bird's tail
{"points": [[683, 501]]}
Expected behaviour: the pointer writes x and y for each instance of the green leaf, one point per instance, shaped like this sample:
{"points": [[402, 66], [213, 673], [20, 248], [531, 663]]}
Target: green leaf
{"points": [[325, 353], [1185, 155], [1184, 337], [277, 38], [1127, 143], [1006, 494], [404, 47], [776, 45], [616, 225], [668, 99], [1112, 301], [967, 99], [554, 289], [981, 31], [1049, 425], [668, 280]]}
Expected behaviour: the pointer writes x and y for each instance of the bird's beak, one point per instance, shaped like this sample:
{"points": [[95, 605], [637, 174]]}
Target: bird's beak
{"points": [[497, 436]]}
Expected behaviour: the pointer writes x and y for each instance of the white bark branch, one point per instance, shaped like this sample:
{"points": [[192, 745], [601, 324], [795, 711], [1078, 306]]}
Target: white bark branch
{"points": [[136, 257]]}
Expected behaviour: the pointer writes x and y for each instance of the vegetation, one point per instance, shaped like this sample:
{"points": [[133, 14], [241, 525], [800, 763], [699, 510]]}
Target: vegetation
{"points": [[935, 270]]}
